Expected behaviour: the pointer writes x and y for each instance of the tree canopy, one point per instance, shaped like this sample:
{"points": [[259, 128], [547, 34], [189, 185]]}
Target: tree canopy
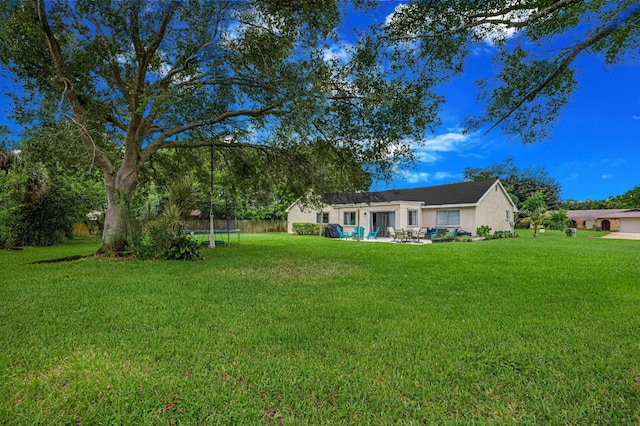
{"points": [[520, 184], [628, 200]]}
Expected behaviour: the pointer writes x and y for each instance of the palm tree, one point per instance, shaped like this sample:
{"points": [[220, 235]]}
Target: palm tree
{"points": [[534, 212]]}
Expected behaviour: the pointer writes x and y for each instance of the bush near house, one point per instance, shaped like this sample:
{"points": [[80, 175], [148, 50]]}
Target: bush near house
{"points": [[302, 228]]}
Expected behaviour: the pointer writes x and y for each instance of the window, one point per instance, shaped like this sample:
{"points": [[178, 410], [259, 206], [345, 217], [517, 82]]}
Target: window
{"points": [[448, 218], [349, 218], [412, 218], [324, 217], [507, 214]]}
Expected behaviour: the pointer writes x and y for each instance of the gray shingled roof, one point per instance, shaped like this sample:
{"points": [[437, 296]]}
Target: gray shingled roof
{"points": [[594, 214], [456, 193]]}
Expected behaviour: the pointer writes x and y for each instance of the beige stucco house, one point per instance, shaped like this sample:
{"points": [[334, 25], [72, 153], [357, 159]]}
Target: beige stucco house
{"points": [[465, 206]]}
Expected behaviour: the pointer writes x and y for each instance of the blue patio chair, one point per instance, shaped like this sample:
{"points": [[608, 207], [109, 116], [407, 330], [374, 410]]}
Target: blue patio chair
{"points": [[341, 234], [358, 233], [373, 234]]}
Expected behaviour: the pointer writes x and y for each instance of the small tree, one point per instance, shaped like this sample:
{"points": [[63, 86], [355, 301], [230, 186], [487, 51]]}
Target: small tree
{"points": [[558, 220], [534, 212]]}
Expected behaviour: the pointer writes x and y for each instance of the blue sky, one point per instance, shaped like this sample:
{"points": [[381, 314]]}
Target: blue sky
{"points": [[594, 151]]}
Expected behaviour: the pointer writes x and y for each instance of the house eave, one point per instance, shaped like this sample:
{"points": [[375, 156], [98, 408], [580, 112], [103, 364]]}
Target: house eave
{"points": [[448, 206]]}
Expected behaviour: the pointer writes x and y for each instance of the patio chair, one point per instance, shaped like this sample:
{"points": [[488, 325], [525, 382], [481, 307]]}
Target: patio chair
{"points": [[446, 236], [438, 232], [373, 234], [413, 234], [437, 235], [358, 233], [422, 233], [450, 236], [392, 233], [401, 235], [341, 234]]}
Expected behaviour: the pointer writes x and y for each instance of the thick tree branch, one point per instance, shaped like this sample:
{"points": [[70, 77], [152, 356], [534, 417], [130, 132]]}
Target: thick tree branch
{"points": [[116, 73], [566, 62], [69, 91], [160, 141]]}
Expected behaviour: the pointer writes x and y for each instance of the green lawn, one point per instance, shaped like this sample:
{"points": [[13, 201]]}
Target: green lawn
{"points": [[303, 330]]}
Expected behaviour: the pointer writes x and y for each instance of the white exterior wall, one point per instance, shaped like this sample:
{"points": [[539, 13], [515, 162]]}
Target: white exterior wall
{"points": [[467, 217], [492, 211]]}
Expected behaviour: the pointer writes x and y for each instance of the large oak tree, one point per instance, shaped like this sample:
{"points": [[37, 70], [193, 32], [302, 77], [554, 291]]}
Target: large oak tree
{"points": [[250, 77]]}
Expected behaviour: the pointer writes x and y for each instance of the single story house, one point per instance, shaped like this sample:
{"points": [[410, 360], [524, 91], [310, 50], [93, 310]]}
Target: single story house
{"points": [[465, 206], [622, 220]]}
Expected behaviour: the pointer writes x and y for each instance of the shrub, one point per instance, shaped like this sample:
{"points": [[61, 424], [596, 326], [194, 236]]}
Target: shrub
{"points": [[302, 228], [157, 232], [503, 234], [483, 231], [48, 220], [183, 247]]}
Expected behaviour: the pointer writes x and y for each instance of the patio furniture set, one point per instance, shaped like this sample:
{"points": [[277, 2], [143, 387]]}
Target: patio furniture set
{"points": [[436, 235], [358, 233]]}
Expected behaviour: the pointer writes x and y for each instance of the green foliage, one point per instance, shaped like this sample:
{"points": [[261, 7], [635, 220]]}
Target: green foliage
{"points": [[628, 200], [557, 221], [503, 234], [483, 231], [34, 208], [534, 212], [303, 228], [157, 229], [183, 247], [520, 184], [48, 220]]}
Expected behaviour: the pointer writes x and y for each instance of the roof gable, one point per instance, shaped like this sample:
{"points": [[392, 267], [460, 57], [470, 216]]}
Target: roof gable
{"points": [[455, 193]]}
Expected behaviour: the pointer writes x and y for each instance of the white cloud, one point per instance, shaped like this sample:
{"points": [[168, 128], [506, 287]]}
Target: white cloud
{"points": [[573, 176], [636, 117], [607, 176], [423, 177], [416, 177], [341, 53], [429, 151]]}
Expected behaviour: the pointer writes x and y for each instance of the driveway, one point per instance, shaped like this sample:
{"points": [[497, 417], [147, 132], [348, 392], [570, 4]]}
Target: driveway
{"points": [[622, 236]]}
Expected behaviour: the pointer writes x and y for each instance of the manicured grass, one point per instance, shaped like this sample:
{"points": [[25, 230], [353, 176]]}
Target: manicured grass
{"points": [[303, 330]]}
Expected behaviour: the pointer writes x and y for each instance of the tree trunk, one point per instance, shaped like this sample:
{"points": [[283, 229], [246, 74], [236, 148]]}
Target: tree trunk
{"points": [[119, 190]]}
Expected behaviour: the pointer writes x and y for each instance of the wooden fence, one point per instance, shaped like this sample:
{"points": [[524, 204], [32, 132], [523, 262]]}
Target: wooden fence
{"points": [[245, 226]]}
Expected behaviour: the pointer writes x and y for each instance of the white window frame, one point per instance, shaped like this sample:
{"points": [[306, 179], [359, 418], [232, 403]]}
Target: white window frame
{"points": [[349, 218], [447, 218]]}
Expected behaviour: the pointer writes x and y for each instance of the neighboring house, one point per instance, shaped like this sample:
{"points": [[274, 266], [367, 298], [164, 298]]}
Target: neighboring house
{"points": [[623, 220], [465, 206]]}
